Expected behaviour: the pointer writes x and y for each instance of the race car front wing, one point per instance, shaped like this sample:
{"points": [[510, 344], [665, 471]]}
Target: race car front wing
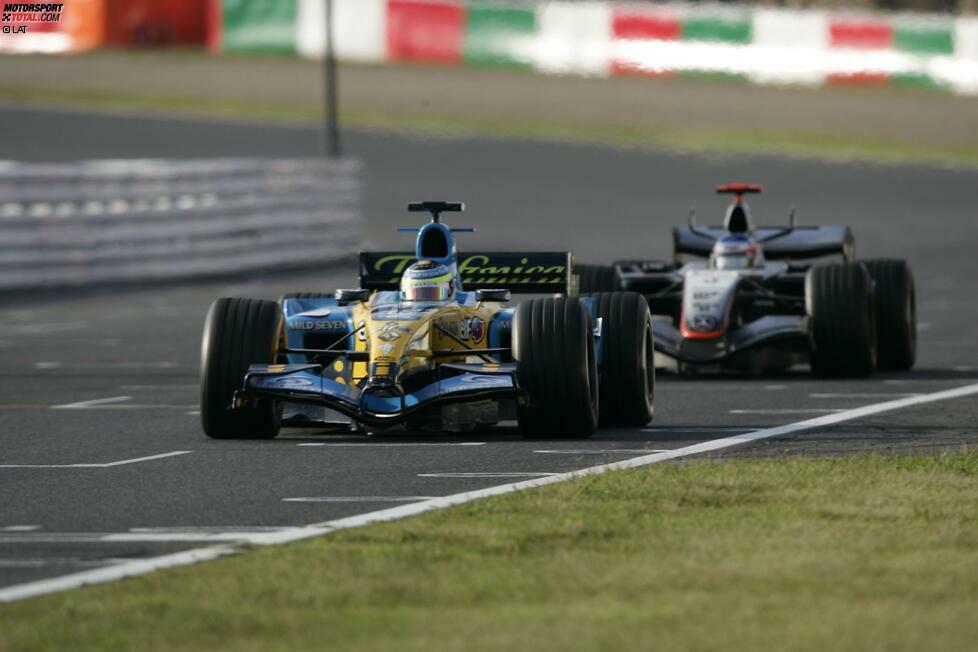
{"points": [[768, 330], [379, 405]]}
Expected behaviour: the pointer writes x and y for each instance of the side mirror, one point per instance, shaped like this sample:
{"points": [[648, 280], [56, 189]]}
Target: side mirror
{"points": [[492, 295], [348, 296]]}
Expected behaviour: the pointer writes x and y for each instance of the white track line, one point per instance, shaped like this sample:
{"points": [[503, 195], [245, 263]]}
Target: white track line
{"points": [[863, 395], [694, 429], [112, 573], [95, 402], [372, 444], [789, 411], [121, 537], [104, 465], [118, 403], [584, 451], [288, 535], [487, 474], [358, 499], [140, 388], [106, 365], [52, 561]]}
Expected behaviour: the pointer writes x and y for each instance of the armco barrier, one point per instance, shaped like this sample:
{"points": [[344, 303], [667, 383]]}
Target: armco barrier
{"points": [[116, 222], [607, 38]]}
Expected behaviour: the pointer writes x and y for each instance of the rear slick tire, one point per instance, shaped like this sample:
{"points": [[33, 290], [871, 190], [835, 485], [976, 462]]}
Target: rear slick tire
{"points": [[840, 307], [597, 278], [553, 345], [237, 334], [627, 386], [896, 313]]}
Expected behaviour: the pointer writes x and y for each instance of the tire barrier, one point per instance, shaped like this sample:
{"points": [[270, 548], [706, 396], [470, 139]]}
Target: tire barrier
{"points": [[131, 221]]}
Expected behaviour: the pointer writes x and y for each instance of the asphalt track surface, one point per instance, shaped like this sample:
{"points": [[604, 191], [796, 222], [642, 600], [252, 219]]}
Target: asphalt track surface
{"points": [[92, 384]]}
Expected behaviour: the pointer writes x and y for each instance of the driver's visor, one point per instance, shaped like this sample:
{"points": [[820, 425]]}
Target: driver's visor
{"points": [[434, 292], [731, 261]]}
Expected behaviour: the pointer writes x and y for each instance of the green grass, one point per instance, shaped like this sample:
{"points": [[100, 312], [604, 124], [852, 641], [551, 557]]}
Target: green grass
{"points": [[821, 145], [850, 553]]}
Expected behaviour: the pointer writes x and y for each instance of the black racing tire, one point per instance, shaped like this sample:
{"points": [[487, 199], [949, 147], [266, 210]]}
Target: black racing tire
{"points": [[627, 385], [597, 278], [306, 295], [896, 313], [553, 344], [238, 333], [840, 307]]}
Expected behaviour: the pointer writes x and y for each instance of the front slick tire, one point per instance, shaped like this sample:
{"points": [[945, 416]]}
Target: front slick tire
{"points": [[627, 387], [839, 302], [553, 345], [237, 333]]}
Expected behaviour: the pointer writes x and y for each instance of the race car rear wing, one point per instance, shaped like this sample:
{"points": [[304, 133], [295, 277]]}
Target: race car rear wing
{"points": [[535, 272], [777, 243]]}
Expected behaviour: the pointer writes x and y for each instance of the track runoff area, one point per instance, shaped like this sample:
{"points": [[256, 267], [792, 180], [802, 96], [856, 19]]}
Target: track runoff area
{"points": [[105, 472]]}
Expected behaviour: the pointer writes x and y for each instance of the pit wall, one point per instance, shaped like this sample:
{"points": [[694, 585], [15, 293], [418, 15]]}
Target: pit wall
{"points": [[619, 39]]}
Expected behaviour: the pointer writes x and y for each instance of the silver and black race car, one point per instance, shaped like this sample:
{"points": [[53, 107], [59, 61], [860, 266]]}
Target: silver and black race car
{"points": [[756, 299]]}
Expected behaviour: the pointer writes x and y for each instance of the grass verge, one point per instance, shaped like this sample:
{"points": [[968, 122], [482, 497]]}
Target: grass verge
{"points": [[825, 146], [851, 553]]}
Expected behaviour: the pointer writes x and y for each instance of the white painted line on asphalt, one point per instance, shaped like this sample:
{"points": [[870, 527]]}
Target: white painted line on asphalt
{"points": [[584, 451], [212, 529], [166, 537], [147, 458], [923, 326], [964, 367], [694, 429], [373, 444], [20, 528], [117, 403], [487, 474], [863, 395], [104, 465], [193, 413], [112, 573], [106, 365], [288, 535], [358, 499], [44, 329], [135, 388], [51, 561], [242, 536], [95, 402], [789, 411]]}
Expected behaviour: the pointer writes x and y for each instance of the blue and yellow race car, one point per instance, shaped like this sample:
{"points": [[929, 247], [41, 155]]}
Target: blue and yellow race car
{"points": [[429, 341]]}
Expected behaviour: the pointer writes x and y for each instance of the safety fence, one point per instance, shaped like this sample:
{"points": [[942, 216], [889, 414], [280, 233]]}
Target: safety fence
{"points": [[131, 221], [759, 44]]}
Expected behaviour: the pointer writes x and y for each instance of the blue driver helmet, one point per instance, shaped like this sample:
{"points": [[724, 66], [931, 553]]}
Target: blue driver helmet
{"points": [[427, 281], [734, 252]]}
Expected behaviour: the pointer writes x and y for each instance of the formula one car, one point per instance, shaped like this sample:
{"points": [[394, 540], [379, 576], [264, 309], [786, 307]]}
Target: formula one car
{"points": [[428, 342], [753, 300]]}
